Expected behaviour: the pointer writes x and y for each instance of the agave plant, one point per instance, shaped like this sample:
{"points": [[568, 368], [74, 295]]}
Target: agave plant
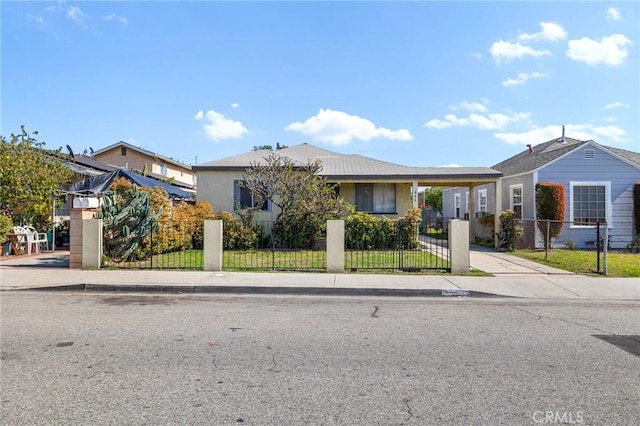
{"points": [[127, 222]]}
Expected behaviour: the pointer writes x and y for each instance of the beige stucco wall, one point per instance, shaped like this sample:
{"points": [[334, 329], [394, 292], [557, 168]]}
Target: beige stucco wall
{"points": [[135, 160], [216, 187]]}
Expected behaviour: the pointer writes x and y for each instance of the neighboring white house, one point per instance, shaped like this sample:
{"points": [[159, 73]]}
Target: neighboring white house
{"points": [[373, 186], [598, 183]]}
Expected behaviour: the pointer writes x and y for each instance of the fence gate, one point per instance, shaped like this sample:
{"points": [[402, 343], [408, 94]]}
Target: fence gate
{"points": [[398, 248]]}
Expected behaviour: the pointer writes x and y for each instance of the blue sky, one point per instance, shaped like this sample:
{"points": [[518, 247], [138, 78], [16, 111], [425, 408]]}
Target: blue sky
{"points": [[415, 83]]}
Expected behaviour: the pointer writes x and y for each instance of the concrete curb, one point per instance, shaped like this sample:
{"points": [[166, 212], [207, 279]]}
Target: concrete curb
{"points": [[296, 291]]}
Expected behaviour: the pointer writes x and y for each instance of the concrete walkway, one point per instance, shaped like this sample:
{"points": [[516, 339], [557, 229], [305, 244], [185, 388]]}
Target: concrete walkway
{"points": [[513, 277]]}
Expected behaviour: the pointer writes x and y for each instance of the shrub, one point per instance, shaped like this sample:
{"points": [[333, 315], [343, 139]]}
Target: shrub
{"points": [[366, 232], [6, 224], [511, 230], [636, 206], [570, 245], [550, 206], [236, 236], [634, 246]]}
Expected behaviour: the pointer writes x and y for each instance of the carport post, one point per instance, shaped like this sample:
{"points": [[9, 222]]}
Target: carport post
{"points": [[470, 208], [497, 210]]}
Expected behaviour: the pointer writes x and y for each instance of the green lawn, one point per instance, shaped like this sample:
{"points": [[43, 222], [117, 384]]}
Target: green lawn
{"points": [[312, 260], [585, 262]]}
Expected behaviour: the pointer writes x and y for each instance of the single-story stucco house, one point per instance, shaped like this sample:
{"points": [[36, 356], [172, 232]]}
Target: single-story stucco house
{"points": [[598, 183], [373, 186]]}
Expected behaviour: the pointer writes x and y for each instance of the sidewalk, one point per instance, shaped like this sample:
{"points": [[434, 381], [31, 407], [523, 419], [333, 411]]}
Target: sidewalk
{"points": [[514, 278]]}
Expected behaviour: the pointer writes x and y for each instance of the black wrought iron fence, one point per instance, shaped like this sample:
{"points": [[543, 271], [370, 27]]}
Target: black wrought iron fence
{"points": [[270, 245], [396, 246], [169, 245]]}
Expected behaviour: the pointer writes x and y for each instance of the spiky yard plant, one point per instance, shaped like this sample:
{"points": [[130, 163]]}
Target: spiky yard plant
{"points": [[127, 222]]}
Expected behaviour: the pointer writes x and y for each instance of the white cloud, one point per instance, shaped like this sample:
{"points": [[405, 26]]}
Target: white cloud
{"points": [[438, 124], [550, 31], [476, 55], [235, 105], [115, 18], [218, 127], [76, 15], [616, 105], [505, 50], [470, 106], [602, 134], [450, 165], [522, 78], [35, 18], [610, 50], [340, 128], [613, 14], [494, 121], [610, 119]]}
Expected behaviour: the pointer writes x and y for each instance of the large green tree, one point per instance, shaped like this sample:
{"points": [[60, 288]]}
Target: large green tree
{"points": [[29, 174], [433, 198]]}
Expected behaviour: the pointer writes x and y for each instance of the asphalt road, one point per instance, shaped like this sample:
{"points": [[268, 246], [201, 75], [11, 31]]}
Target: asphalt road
{"points": [[177, 359]]}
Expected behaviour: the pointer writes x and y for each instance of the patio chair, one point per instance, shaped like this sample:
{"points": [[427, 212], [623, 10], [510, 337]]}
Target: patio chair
{"points": [[22, 236], [39, 238]]}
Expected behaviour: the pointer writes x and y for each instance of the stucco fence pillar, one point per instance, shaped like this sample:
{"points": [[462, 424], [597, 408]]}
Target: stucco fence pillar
{"points": [[213, 245], [459, 259], [85, 239]]}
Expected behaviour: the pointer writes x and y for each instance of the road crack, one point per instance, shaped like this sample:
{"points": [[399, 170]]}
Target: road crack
{"points": [[274, 367], [406, 402], [540, 317]]}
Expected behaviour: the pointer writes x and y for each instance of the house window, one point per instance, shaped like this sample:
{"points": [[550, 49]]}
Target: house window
{"points": [[243, 198], [123, 150], [456, 204], [482, 201], [376, 197], [163, 169], [516, 199], [590, 202]]}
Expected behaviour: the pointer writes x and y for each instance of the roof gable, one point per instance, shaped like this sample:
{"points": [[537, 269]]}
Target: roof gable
{"points": [[142, 151], [538, 156]]}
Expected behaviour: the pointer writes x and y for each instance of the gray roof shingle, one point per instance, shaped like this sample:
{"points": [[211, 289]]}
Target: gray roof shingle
{"points": [[336, 165], [548, 151]]}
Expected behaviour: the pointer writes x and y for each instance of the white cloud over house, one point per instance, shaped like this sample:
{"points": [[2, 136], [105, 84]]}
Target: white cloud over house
{"points": [[550, 32], [340, 128], [218, 127], [235, 105], [609, 50], [616, 105], [505, 51], [470, 106], [78, 16], [522, 78], [493, 121], [35, 18], [115, 18], [613, 14], [536, 135]]}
